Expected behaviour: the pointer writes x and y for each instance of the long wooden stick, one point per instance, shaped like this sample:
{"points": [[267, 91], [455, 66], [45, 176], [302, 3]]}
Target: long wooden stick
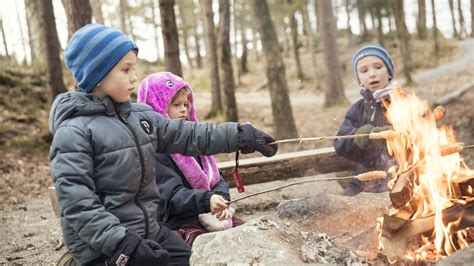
{"points": [[374, 175], [388, 134]]}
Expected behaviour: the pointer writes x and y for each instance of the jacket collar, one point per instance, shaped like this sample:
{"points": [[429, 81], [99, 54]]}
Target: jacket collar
{"points": [[367, 95], [111, 107]]}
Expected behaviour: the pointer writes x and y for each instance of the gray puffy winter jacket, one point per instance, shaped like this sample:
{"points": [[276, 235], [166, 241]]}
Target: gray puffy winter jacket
{"points": [[103, 167]]}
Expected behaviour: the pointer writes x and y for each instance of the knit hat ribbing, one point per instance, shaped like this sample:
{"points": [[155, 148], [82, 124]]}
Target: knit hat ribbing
{"points": [[93, 51], [373, 50]]}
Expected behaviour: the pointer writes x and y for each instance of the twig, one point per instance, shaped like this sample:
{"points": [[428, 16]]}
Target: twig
{"points": [[290, 184], [374, 175], [319, 138]]}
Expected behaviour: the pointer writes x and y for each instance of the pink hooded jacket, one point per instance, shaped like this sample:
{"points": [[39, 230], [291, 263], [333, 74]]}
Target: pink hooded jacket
{"points": [[158, 90]]}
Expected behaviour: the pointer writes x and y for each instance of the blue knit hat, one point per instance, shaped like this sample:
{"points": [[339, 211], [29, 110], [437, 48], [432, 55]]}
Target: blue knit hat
{"points": [[373, 50], [93, 51]]}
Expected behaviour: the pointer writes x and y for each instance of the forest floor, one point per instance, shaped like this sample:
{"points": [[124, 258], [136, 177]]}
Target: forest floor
{"points": [[29, 230]]}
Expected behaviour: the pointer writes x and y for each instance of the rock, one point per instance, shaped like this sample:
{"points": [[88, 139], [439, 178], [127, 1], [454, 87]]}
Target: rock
{"points": [[269, 201], [265, 241], [351, 220], [461, 257]]}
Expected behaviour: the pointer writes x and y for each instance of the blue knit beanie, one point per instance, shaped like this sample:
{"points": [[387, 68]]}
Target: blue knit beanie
{"points": [[93, 51], [374, 50]]}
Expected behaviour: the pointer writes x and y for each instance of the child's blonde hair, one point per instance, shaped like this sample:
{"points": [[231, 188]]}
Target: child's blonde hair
{"points": [[183, 91]]}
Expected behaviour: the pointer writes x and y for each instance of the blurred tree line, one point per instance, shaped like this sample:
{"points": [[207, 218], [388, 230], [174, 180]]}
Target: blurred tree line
{"points": [[202, 31]]}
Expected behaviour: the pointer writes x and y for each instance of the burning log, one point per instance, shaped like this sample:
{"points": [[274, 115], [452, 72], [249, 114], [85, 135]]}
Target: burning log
{"points": [[393, 220], [402, 191], [395, 243], [465, 184]]}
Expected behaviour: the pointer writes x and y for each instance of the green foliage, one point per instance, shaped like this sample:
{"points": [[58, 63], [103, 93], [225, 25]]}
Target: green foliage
{"points": [[8, 80]]}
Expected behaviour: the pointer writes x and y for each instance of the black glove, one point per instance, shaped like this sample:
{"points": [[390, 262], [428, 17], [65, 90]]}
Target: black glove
{"points": [[252, 139], [134, 250]]}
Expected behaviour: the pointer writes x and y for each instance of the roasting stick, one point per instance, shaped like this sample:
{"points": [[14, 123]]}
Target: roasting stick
{"points": [[388, 134], [374, 175]]}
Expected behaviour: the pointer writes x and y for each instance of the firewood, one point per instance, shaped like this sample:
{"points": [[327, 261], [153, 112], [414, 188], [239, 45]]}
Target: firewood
{"points": [[464, 186], [461, 215], [402, 191], [395, 244], [392, 222]]}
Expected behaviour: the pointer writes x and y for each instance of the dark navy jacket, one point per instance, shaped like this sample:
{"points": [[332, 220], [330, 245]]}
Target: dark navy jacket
{"points": [[179, 202], [375, 157]]}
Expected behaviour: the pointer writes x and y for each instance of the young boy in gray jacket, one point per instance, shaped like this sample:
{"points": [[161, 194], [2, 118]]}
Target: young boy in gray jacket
{"points": [[103, 156]]}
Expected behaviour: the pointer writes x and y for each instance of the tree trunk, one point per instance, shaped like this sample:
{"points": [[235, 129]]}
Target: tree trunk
{"points": [[334, 91], [296, 45], [185, 26], [308, 32], [255, 43], [283, 122], [34, 32], [52, 49], [97, 11], [225, 63], [472, 18], [243, 36], [318, 17], [312, 45], [462, 27], [348, 9], [7, 54], [155, 32], [435, 31], [211, 48], [453, 20], [403, 37], [79, 13], [286, 40], [378, 15], [21, 31], [390, 19], [129, 21], [197, 35], [123, 16], [361, 11], [170, 37], [421, 20], [234, 30], [197, 45]]}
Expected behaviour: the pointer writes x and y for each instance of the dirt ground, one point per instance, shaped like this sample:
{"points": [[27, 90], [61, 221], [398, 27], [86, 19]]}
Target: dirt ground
{"points": [[30, 231]]}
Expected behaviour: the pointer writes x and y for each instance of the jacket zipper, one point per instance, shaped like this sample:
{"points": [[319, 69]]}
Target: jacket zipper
{"points": [[142, 164]]}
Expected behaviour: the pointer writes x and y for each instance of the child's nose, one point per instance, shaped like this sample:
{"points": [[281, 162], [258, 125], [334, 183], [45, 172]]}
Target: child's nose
{"points": [[371, 72], [133, 76]]}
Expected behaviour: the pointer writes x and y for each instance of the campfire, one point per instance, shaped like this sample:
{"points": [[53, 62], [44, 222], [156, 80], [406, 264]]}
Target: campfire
{"points": [[432, 192]]}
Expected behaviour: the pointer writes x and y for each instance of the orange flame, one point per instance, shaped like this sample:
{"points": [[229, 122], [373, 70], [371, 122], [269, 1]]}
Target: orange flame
{"points": [[420, 146]]}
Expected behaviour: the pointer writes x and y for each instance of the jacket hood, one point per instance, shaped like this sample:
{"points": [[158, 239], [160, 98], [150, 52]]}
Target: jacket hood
{"points": [[73, 104], [158, 90]]}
